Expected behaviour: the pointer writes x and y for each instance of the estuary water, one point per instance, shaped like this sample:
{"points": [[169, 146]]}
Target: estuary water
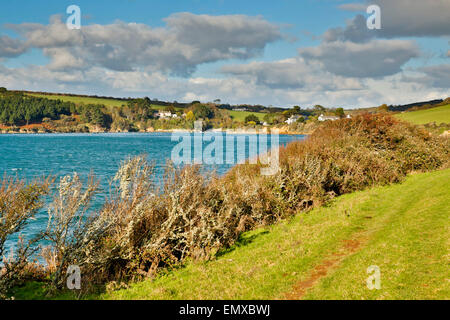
{"points": [[29, 156]]}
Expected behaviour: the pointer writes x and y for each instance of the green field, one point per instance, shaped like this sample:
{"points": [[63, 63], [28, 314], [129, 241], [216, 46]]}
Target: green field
{"points": [[437, 114], [161, 108], [324, 254], [240, 115], [84, 100]]}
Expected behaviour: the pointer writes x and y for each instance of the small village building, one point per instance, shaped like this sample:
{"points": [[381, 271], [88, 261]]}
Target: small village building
{"points": [[164, 114], [327, 118], [293, 119]]}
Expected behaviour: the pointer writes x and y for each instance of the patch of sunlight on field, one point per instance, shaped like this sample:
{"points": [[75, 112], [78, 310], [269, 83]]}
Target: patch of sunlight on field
{"points": [[84, 100], [240, 115], [437, 114]]}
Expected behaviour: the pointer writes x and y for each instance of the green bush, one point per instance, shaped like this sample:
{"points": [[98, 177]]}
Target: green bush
{"points": [[252, 118]]}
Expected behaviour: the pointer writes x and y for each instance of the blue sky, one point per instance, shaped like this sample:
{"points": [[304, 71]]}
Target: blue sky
{"points": [[276, 53]]}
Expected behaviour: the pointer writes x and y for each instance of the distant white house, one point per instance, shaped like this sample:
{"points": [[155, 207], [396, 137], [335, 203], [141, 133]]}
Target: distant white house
{"points": [[292, 119], [240, 109], [164, 114], [326, 118]]}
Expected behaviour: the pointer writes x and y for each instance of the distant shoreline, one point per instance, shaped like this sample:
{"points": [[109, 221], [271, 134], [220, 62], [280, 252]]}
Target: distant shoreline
{"points": [[150, 132], [230, 131]]}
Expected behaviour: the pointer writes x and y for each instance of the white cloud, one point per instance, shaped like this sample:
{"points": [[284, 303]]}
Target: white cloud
{"points": [[436, 76], [348, 69], [292, 73], [377, 58], [414, 18], [10, 47], [399, 18], [187, 41], [321, 88]]}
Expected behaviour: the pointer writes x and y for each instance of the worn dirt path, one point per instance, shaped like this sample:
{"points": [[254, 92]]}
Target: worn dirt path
{"points": [[348, 248]]}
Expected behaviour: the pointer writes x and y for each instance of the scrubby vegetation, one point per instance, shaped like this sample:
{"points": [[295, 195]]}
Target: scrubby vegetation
{"points": [[19, 202], [324, 254], [142, 229]]}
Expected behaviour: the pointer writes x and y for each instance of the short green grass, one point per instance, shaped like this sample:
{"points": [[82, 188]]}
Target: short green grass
{"points": [[240, 115], [437, 114], [406, 227], [403, 229]]}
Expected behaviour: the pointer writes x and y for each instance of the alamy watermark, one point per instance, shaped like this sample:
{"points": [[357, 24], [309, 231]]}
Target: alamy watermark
{"points": [[374, 279], [74, 20], [227, 148], [374, 20], [73, 277]]}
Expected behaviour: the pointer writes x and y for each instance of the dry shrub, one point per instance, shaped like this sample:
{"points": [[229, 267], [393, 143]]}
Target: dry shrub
{"points": [[73, 234], [354, 154], [194, 217], [19, 267], [191, 217], [133, 214], [19, 202]]}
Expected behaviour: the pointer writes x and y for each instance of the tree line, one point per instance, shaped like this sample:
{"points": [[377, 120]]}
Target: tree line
{"points": [[16, 108], [19, 109]]}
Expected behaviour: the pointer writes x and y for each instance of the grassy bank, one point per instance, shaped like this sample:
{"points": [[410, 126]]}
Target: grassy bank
{"points": [[402, 228], [438, 115], [324, 254]]}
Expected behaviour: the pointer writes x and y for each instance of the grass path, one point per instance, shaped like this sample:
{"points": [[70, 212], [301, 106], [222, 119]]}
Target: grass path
{"points": [[411, 247], [324, 254], [437, 114]]}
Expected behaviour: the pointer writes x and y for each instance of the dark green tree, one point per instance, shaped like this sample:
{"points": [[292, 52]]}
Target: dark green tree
{"points": [[340, 112], [251, 118], [202, 111]]}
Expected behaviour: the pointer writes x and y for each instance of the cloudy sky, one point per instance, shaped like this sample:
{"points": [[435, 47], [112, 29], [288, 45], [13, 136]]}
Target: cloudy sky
{"points": [[281, 53]]}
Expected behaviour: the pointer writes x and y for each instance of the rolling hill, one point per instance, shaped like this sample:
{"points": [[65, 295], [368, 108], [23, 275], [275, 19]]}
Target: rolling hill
{"points": [[438, 114]]}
